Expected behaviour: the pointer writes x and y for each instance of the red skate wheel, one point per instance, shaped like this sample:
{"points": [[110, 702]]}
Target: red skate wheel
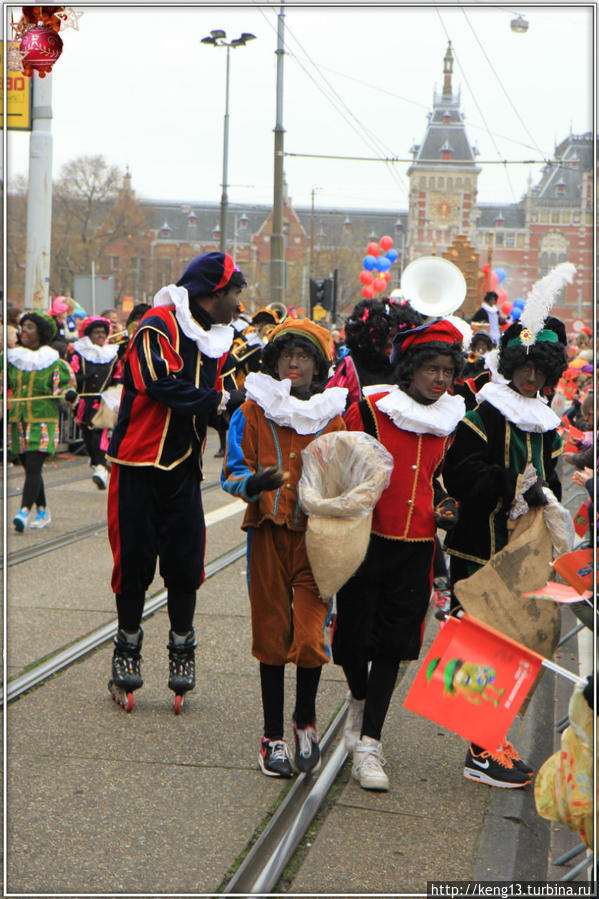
{"points": [[178, 703], [129, 702]]}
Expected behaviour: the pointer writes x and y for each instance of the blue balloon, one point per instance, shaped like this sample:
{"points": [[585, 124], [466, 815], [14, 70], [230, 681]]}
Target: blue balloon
{"points": [[383, 264], [516, 312], [392, 255], [519, 303], [500, 275], [369, 262]]}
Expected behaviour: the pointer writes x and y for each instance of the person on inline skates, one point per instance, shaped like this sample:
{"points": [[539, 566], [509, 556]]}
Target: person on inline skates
{"points": [[172, 390]]}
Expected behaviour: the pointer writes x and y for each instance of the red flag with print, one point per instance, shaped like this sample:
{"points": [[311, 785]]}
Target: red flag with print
{"points": [[473, 681]]}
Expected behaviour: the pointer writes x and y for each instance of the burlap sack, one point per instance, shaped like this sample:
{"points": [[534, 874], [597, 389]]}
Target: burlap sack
{"points": [[494, 593], [336, 548], [108, 412]]}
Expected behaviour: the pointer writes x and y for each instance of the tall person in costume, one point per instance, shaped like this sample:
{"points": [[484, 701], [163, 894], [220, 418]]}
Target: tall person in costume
{"points": [[286, 408], [96, 366], [381, 608], [38, 379], [511, 428], [171, 391]]}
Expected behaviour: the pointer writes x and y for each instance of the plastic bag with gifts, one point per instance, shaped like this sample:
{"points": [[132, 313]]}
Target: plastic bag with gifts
{"points": [[343, 477]]}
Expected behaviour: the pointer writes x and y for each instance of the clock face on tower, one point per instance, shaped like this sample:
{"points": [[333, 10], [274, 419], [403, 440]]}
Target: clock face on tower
{"points": [[443, 208]]}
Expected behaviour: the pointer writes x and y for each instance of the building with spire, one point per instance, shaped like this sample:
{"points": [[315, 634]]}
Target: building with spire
{"points": [[443, 176]]}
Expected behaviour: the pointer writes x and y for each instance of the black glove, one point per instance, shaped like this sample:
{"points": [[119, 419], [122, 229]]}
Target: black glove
{"points": [[236, 398], [70, 395], [447, 513], [534, 496], [506, 484], [269, 479], [588, 691]]}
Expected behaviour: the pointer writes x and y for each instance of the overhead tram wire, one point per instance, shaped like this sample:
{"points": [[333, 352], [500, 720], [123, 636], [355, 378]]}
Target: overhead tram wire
{"points": [[364, 133], [424, 106], [501, 85], [399, 159], [480, 112]]}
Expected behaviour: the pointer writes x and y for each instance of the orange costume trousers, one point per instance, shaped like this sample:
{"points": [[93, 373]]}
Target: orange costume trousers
{"points": [[288, 616]]}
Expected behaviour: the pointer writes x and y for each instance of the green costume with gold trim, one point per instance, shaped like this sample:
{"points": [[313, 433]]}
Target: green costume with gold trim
{"points": [[33, 414], [483, 471]]}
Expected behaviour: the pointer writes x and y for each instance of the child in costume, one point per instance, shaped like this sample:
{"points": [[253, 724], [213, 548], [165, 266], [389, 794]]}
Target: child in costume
{"points": [[381, 609], [96, 366], [38, 379], [511, 428], [369, 332], [284, 411]]}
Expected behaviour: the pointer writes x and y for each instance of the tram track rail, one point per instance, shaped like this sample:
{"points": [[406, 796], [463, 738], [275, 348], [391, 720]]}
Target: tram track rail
{"points": [[28, 553], [40, 672]]}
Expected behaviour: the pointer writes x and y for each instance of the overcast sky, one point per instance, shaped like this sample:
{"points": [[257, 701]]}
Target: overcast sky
{"points": [[135, 85]]}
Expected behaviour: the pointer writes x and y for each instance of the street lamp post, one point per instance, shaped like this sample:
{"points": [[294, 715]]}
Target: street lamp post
{"points": [[218, 38]]}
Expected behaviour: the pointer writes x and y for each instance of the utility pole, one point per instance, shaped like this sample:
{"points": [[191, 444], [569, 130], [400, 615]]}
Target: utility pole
{"points": [[39, 197], [224, 200], [277, 240]]}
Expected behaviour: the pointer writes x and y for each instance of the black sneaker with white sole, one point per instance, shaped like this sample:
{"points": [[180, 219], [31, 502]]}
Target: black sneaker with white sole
{"points": [[307, 750], [273, 758], [495, 769]]}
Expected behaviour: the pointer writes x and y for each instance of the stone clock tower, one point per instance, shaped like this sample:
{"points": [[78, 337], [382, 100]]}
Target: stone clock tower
{"points": [[443, 176]]}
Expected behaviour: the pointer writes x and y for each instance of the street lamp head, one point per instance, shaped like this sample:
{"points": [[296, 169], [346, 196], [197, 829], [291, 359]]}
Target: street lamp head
{"points": [[218, 33], [247, 36], [242, 41], [207, 40]]}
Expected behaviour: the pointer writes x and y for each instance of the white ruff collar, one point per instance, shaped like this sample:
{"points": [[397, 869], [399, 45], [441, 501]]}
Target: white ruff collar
{"points": [[439, 418], [212, 343], [492, 309], [31, 360], [528, 413], [304, 416], [93, 352]]}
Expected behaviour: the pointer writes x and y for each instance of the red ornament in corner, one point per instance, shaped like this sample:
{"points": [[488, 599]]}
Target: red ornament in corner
{"points": [[42, 47]]}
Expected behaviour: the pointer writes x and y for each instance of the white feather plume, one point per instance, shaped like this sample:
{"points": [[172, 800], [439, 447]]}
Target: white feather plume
{"points": [[542, 295]]}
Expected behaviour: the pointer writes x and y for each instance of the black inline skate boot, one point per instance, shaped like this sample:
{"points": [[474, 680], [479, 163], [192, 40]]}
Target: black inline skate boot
{"points": [[126, 668], [182, 666]]}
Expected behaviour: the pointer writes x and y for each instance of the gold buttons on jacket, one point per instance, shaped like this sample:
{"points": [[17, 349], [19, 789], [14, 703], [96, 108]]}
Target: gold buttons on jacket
{"points": [[414, 467], [292, 455]]}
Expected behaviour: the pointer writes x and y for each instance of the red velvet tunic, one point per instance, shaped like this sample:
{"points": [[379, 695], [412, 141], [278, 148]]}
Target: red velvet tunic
{"points": [[405, 509]]}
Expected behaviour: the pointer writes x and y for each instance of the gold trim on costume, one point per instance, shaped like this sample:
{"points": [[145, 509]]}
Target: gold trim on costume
{"points": [[477, 430], [414, 485]]}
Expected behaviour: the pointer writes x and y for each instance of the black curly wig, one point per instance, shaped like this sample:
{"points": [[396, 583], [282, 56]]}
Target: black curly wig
{"points": [[274, 348], [46, 327], [550, 358], [416, 356]]}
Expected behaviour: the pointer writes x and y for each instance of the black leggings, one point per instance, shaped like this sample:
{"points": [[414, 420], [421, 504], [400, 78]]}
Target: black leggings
{"points": [[376, 687], [33, 488], [181, 607], [273, 696], [91, 439]]}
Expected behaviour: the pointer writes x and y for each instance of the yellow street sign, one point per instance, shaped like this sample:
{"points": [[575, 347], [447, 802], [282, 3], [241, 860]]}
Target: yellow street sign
{"points": [[19, 97]]}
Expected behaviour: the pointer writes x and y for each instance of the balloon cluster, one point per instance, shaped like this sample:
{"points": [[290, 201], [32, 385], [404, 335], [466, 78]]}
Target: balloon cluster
{"points": [[492, 281], [375, 274]]}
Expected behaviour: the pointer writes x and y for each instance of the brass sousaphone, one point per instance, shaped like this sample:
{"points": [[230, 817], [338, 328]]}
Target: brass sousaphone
{"points": [[433, 286]]}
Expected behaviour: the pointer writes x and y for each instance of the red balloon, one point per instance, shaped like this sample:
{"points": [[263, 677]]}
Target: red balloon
{"points": [[494, 280], [368, 292], [373, 249], [501, 295], [506, 307], [386, 243], [387, 276], [379, 284], [486, 268], [366, 276]]}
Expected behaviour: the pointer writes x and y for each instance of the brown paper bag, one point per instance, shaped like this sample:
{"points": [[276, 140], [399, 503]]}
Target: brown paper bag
{"points": [[493, 594], [336, 548]]}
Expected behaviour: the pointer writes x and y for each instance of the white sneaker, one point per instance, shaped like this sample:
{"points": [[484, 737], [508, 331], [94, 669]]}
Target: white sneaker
{"points": [[353, 722], [100, 476], [368, 765]]}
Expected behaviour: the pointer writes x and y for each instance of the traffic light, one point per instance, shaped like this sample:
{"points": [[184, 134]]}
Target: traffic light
{"points": [[321, 293]]}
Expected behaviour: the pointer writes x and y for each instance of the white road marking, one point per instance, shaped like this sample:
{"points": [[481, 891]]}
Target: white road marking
{"points": [[226, 511]]}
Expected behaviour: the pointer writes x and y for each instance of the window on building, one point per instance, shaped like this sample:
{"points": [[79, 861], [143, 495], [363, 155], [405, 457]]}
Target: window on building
{"points": [[544, 218], [555, 218], [509, 240], [499, 239], [440, 181], [458, 182], [115, 263], [450, 184], [520, 241]]}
